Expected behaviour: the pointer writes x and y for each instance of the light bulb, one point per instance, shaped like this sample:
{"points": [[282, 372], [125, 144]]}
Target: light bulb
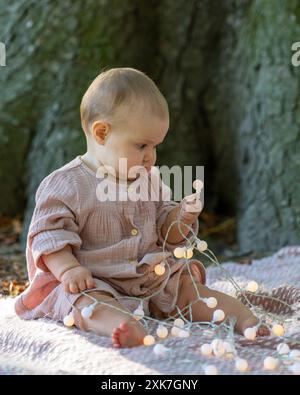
{"points": [[250, 333], [241, 365], [148, 340], [211, 302], [179, 322], [198, 185], [87, 312], [178, 252], [202, 245], [228, 347], [218, 315], [159, 269], [138, 314], [175, 331], [218, 347], [188, 253], [206, 349], [69, 320], [270, 363], [278, 330], [162, 332], [252, 286]]}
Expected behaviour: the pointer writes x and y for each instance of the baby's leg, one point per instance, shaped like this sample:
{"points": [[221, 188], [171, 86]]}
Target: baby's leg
{"points": [[107, 321], [200, 311]]}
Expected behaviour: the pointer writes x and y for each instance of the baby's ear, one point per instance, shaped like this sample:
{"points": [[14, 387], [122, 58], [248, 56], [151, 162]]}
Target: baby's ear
{"points": [[100, 131]]}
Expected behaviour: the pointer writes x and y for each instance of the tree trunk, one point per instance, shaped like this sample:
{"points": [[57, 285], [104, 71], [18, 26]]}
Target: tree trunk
{"points": [[252, 108], [224, 67]]}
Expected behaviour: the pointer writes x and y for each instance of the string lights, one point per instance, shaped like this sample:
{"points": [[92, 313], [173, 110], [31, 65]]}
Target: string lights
{"points": [[182, 327]]}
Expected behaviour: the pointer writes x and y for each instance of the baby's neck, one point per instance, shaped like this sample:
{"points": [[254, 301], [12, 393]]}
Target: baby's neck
{"points": [[94, 166]]}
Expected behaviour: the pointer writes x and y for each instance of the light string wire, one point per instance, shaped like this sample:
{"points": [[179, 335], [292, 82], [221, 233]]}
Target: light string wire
{"points": [[217, 328]]}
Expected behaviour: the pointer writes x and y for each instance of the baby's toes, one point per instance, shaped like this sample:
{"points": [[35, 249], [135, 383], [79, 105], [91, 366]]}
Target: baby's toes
{"points": [[115, 336]]}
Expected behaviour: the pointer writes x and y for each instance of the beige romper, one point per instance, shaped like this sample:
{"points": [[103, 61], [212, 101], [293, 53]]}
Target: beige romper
{"points": [[120, 242]]}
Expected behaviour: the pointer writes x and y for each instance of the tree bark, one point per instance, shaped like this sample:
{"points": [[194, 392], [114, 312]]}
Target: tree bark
{"points": [[224, 67], [252, 108]]}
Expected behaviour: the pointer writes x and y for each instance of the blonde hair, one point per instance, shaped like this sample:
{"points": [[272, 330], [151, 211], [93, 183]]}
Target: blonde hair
{"points": [[116, 88]]}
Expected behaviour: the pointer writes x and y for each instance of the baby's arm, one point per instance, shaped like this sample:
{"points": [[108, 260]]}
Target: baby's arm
{"points": [[68, 270]]}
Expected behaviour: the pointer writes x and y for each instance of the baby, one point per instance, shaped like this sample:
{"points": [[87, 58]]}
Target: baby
{"points": [[108, 249]]}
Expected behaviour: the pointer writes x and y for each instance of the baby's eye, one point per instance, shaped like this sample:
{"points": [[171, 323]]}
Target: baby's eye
{"points": [[141, 146]]}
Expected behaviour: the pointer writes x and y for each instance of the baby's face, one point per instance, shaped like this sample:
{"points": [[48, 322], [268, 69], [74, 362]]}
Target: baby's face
{"points": [[135, 139]]}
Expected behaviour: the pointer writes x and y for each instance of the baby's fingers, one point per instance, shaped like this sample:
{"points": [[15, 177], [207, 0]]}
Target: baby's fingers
{"points": [[81, 285], [194, 207], [90, 282], [73, 288]]}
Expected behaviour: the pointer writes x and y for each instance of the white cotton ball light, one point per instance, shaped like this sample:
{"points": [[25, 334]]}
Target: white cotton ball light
{"points": [[179, 252], [252, 286], [211, 370], [188, 253], [211, 302], [198, 185], [218, 315], [295, 354], [69, 320], [241, 364], [179, 322], [202, 245], [270, 363], [148, 340], [218, 347], [175, 331], [162, 332], [250, 333], [278, 330], [229, 348], [87, 312], [206, 349], [138, 314], [283, 349], [160, 350], [295, 368], [159, 269]]}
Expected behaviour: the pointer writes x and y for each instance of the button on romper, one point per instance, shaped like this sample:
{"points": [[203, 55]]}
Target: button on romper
{"points": [[120, 242]]}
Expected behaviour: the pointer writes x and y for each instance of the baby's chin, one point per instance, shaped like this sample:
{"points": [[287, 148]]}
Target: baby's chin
{"points": [[127, 178]]}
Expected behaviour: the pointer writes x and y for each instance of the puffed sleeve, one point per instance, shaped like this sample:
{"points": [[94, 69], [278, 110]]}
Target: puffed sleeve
{"points": [[163, 206], [53, 223]]}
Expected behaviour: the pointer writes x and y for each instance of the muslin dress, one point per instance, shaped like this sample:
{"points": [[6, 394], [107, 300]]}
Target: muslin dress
{"points": [[119, 241]]}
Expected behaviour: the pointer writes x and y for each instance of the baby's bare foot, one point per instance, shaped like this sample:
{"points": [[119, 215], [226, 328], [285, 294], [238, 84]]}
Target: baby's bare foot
{"points": [[249, 322], [128, 334]]}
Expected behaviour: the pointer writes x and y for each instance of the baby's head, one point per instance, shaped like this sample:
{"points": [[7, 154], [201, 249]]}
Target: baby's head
{"points": [[124, 115]]}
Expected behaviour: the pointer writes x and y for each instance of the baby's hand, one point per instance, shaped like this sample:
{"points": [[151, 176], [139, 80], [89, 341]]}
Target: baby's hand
{"points": [[77, 279], [191, 207]]}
